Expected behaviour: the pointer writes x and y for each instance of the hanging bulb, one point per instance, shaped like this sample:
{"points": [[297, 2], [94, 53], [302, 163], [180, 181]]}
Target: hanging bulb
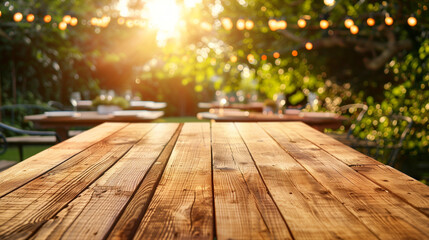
{"points": [[276, 55], [67, 19], [62, 26], [17, 17], [47, 18], [324, 24], [349, 22], [388, 20], [370, 22], [302, 23], [227, 23], [282, 24], [30, 17], [354, 29], [412, 21], [294, 53], [309, 46], [241, 24], [249, 24], [272, 23]]}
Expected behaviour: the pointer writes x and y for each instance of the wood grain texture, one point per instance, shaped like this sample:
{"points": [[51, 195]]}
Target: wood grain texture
{"points": [[95, 211], [244, 209], [309, 209], [337, 149], [386, 215], [408, 189], [42, 162], [29, 207], [182, 206], [130, 219]]}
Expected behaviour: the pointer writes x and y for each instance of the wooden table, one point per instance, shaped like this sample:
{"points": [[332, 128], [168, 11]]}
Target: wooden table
{"points": [[224, 181], [254, 106], [319, 122], [85, 119]]}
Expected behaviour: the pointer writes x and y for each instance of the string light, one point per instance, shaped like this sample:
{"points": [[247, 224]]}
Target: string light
{"points": [[309, 46], [233, 59], [324, 24], [67, 19], [354, 29], [348, 23], [264, 57], [73, 21], [227, 23], [249, 24], [241, 24], [294, 53], [250, 58], [276, 55], [62, 26], [388, 20], [329, 2], [47, 18], [272, 23], [17, 17], [302, 23], [282, 24], [370, 22], [412, 21], [30, 17]]}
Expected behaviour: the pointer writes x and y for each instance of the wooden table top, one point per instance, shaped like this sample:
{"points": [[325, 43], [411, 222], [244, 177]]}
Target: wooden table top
{"points": [[317, 120], [254, 106], [280, 180], [90, 118]]}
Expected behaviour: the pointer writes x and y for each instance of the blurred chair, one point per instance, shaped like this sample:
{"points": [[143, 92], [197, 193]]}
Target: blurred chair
{"points": [[56, 105], [356, 113], [389, 145], [11, 132]]}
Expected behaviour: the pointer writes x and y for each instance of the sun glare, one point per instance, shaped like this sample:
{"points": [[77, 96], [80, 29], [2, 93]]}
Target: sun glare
{"points": [[163, 15]]}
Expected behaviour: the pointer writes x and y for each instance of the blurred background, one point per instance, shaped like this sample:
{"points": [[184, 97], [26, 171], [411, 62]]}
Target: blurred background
{"points": [[182, 52]]}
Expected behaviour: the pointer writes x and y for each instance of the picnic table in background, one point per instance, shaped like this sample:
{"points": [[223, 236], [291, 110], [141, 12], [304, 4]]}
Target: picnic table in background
{"points": [[280, 180], [317, 120], [134, 105], [62, 121], [253, 106]]}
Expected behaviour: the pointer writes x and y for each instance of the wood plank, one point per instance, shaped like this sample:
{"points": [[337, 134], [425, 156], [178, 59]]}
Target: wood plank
{"points": [[26, 209], [244, 209], [93, 213], [338, 149], [42, 162], [400, 184], [386, 215], [308, 208], [182, 206], [130, 219], [408, 189]]}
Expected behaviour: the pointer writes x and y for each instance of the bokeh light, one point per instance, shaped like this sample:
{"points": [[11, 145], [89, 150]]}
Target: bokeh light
{"points": [[354, 29], [348, 23], [412, 21], [302, 23], [30, 17], [17, 17], [47, 18], [370, 22], [324, 24], [62, 26], [308, 46]]}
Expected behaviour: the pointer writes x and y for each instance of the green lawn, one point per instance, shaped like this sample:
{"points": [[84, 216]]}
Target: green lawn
{"points": [[12, 152]]}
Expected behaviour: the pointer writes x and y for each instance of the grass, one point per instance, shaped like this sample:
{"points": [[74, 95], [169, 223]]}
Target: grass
{"points": [[12, 153]]}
